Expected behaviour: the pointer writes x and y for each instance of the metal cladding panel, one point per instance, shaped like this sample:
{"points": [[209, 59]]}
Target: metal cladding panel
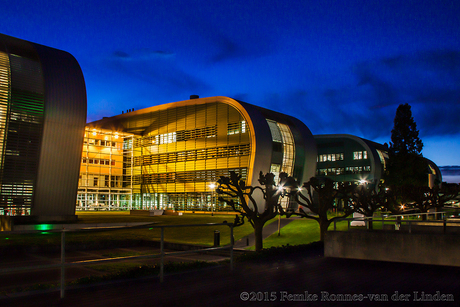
{"points": [[305, 145], [63, 131], [263, 143], [307, 157]]}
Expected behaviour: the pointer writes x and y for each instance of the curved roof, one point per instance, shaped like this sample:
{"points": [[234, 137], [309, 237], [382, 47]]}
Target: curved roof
{"points": [[256, 120], [48, 91]]}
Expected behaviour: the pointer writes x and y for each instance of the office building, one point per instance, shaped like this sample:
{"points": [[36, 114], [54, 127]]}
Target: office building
{"points": [[348, 158], [42, 121], [173, 154]]}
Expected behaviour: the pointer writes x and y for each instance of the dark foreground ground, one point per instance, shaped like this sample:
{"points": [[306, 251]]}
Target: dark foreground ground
{"points": [[299, 279]]}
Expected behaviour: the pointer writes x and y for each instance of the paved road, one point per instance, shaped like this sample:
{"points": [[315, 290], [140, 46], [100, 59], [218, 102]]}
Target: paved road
{"points": [[273, 282]]}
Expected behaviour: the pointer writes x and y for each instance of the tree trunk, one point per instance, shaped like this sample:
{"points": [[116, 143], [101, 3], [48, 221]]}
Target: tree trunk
{"points": [[258, 228], [370, 223], [437, 216], [323, 226], [424, 216]]}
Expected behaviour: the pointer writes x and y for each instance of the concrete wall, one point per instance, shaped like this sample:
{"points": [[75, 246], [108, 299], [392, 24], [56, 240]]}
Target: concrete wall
{"points": [[439, 249]]}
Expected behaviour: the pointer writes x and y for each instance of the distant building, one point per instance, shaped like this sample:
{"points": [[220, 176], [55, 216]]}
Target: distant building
{"points": [[171, 155], [42, 120], [348, 158]]}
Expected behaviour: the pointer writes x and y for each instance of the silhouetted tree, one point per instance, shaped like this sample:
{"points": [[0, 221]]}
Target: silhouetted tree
{"points": [[441, 194], [367, 199], [424, 198], [421, 198], [319, 198], [257, 214], [404, 136], [406, 165]]}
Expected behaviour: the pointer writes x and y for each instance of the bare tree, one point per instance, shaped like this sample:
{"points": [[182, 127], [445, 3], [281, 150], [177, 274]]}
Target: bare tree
{"points": [[319, 197], [367, 199], [231, 188]]}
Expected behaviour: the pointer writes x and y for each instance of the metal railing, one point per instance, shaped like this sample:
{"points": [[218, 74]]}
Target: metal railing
{"points": [[63, 264], [399, 220]]}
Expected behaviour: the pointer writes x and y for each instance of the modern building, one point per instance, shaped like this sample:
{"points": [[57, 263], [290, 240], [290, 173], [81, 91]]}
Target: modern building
{"points": [[173, 154], [348, 158], [106, 170], [42, 121]]}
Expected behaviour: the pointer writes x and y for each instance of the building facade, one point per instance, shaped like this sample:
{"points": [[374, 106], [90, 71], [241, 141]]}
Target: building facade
{"points": [[42, 119], [106, 170], [173, 154], [348, 158]]}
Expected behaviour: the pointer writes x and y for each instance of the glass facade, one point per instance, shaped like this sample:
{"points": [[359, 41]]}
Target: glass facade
{"points": [[347, 158], [105, 181], [21, 123], [175, 156], [283, 141]]}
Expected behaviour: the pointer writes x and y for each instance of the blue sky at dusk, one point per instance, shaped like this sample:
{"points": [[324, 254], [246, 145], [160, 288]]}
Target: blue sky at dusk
{"points": [[339, 66]]}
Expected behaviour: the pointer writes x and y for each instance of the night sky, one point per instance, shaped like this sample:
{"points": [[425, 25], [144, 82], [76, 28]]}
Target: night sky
{"points": [[339, 66]]}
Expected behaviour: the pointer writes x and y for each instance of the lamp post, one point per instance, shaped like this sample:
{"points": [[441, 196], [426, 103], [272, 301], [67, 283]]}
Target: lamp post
{"points": [[280, 190], [212, 186]]}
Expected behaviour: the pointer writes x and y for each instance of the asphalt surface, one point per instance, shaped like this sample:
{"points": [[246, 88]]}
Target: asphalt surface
{"points": [[299, 279], [295, 279]]}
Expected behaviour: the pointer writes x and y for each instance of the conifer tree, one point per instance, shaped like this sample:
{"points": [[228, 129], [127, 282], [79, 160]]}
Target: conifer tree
{"points": [[404, 136], [406, 165]]}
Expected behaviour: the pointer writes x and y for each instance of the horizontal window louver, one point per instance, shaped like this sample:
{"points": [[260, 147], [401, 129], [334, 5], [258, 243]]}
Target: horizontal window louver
{"points": [[22, 122]]}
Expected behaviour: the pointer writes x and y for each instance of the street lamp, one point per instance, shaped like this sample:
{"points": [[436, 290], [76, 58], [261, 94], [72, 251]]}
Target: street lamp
{"points": [[212, 186], [281, 191]]}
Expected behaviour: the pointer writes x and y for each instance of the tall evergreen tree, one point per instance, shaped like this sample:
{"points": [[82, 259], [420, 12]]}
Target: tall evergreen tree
{"points": [[404, 136], [406, 165]]}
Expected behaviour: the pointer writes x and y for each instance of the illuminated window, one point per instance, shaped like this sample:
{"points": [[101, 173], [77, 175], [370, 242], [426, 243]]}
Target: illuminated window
{"points": [[383, 156], [275, 131], [275, 170], [330, 157], [236, 128], [192, 155], [288, 149], [165, 138], [359, 155]]}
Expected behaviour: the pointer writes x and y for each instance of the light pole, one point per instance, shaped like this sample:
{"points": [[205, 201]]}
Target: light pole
{"points": [[280, 190], [212, 186]]}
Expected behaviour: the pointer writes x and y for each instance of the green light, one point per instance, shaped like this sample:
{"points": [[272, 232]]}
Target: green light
{"points": [[43, 227], [45, 233]]}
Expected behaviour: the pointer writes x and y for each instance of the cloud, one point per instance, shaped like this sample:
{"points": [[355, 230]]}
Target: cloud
{"points": [[228, 48], [157, 68], [141, 54], [217, 39], [427, 80]]}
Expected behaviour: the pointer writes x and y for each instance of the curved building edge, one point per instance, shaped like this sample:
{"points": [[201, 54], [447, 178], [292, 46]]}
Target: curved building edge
{"points": [[48, 83]]}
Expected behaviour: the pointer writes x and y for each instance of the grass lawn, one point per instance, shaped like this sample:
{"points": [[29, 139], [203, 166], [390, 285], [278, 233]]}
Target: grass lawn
{"points": [[202, 235], [299, 231], [188, 235]]}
